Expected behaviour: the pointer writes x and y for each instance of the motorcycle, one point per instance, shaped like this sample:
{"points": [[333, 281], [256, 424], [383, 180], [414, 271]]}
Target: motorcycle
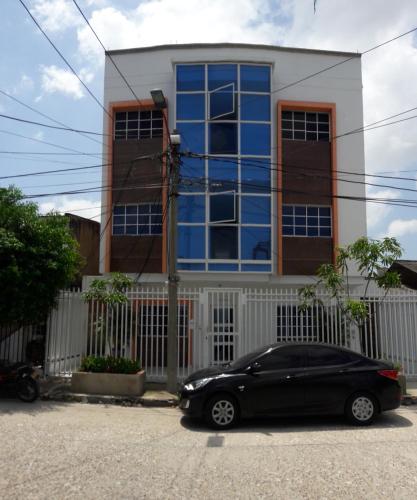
{"points": [[19, 379]]}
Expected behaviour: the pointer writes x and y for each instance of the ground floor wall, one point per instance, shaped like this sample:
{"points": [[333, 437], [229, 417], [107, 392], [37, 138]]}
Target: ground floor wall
{"points": [[217, 325]]}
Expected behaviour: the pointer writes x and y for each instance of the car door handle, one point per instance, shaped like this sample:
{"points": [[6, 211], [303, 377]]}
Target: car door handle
{"points": [[289, 377]]}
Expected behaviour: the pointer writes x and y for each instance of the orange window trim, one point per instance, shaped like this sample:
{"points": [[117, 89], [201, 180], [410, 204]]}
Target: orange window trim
{"points": [[328, 107], [145, 105]]}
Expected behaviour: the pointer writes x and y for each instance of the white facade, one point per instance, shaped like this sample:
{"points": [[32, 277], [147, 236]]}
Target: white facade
{"points": [[149, 68]]}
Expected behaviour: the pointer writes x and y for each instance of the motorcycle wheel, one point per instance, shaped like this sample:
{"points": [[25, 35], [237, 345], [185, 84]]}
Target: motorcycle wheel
{"points": [[27, 390]]}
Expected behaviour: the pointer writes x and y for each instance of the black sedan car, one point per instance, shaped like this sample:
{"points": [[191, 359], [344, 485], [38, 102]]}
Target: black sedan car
{"points": [[292, 379]]}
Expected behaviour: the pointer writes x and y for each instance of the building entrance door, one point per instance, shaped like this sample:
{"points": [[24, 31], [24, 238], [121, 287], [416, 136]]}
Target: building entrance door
{"points": [[223, 325]]}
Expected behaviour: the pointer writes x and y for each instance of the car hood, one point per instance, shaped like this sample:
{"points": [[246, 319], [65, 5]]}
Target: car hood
{"points": [[206, 373]]}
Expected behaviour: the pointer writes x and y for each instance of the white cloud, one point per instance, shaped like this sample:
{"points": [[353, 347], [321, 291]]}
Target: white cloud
{"points": [[157, 22], [39, 135], [56, 15], [63, 81], [25, 84], [376, 213], [402, 227], [88, 209]]}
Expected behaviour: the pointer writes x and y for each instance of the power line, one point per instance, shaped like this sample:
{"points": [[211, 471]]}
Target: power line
{"points": [[81, 153], [56, 127], [382, 200], [64, 59], [144, 157], [43, 153], [342, 62], [117, 68], [304, 173], [45, 115]]}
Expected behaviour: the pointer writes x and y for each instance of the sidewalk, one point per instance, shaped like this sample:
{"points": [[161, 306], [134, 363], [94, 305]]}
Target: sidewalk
{"points": [[59, 389]]}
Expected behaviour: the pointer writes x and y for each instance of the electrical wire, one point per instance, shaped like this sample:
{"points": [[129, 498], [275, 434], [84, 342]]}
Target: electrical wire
{"points": [[56, 127], [59, 146], [118, 69], [64, 59], [31, 108]]}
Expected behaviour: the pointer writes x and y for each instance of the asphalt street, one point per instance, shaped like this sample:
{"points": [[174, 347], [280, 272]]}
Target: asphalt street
{"points": [[71, 450]]}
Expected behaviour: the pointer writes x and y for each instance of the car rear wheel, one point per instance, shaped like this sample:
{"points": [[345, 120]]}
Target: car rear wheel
{"points": [[361, 409], [222, 412]]}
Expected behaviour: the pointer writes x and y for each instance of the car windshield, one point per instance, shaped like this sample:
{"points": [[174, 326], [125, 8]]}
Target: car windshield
{"points": [[245, 360]]}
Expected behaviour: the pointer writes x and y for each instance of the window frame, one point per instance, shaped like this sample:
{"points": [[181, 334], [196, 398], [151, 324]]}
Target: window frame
{"points": [[319, 218], [246, 265], [289, 125], [149, 224], [156, 116]]}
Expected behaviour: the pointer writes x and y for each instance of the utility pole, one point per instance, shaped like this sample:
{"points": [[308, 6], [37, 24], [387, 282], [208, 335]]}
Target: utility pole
{"points": [[172, 347]]}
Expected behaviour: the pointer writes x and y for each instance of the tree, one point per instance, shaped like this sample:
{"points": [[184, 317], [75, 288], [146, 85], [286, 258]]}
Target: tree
{"points": [[373, 259], [38, 257]]}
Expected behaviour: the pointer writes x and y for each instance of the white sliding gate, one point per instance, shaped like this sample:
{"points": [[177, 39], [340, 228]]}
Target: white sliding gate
{"points": [[217, 325]]}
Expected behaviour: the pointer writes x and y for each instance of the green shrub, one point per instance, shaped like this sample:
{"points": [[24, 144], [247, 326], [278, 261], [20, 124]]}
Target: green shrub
{"points": [[109, 364]]}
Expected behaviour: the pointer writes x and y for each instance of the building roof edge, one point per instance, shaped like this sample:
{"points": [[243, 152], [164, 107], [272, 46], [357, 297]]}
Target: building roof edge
{"points": [[230, 45]]}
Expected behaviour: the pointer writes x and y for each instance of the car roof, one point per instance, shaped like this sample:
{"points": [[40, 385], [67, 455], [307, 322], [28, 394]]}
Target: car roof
{"points": [[314, 344]]}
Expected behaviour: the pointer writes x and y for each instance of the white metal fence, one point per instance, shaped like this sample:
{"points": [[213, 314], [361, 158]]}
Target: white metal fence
{"points": [[218, 325]]}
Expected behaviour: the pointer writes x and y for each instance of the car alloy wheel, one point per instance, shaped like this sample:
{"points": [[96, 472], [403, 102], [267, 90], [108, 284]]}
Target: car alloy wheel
{"points": [[221, 412], [361, 409]]}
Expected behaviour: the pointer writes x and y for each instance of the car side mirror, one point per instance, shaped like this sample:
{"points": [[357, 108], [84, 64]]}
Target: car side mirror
{"points": [[253, 368]]}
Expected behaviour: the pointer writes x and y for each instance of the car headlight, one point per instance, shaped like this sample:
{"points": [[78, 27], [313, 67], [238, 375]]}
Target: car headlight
{"points": [[197, 384]]}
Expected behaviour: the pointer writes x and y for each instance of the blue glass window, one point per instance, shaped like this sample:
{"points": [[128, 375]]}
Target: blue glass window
{"points": [[223, 138], [223, 175], [255, 210], [223, 207], [256, 243], [191, 107], [191, 208], [223, 103], [256, 268], [191, 266], [223, 242], [190, 77], [255, 139], [221, 74], [255, 107], [255, 78], [302, 220], [191, 242], [192, 175], [223, 267], [255, 175], [192, 137]]}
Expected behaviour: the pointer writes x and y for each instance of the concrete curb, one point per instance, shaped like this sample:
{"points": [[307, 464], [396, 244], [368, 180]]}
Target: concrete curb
{"points": [[110, 400], [408, 400]]}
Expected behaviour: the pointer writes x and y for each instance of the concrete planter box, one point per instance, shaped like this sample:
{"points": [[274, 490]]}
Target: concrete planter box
{"points": [[110, 384]]}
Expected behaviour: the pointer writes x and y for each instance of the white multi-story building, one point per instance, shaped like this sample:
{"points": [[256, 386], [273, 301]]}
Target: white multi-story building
{"points": [[263, 191]]}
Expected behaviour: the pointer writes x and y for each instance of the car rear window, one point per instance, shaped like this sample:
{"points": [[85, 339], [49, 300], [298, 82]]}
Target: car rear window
{"points": [[326, 356]]}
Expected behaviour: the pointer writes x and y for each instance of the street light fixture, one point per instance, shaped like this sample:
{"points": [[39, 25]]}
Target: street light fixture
{"points": [[158, 99]]}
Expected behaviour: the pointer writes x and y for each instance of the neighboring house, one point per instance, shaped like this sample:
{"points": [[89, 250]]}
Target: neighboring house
{"points": [[408, 272], [262, 197], [87, 234]]}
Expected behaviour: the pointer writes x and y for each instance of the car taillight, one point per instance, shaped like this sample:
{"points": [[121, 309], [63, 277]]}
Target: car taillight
{"points": [[392, 374]]}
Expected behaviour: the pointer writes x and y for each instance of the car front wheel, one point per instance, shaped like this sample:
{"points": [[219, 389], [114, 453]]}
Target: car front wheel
{"points": [[361, 409], [222, 412]]}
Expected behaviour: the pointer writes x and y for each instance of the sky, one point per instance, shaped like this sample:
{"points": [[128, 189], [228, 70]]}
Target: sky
{"points": [[33, 73]]}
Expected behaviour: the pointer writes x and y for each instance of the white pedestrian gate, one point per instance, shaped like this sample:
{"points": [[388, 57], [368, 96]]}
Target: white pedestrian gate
{"points": [[222, 326]]}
